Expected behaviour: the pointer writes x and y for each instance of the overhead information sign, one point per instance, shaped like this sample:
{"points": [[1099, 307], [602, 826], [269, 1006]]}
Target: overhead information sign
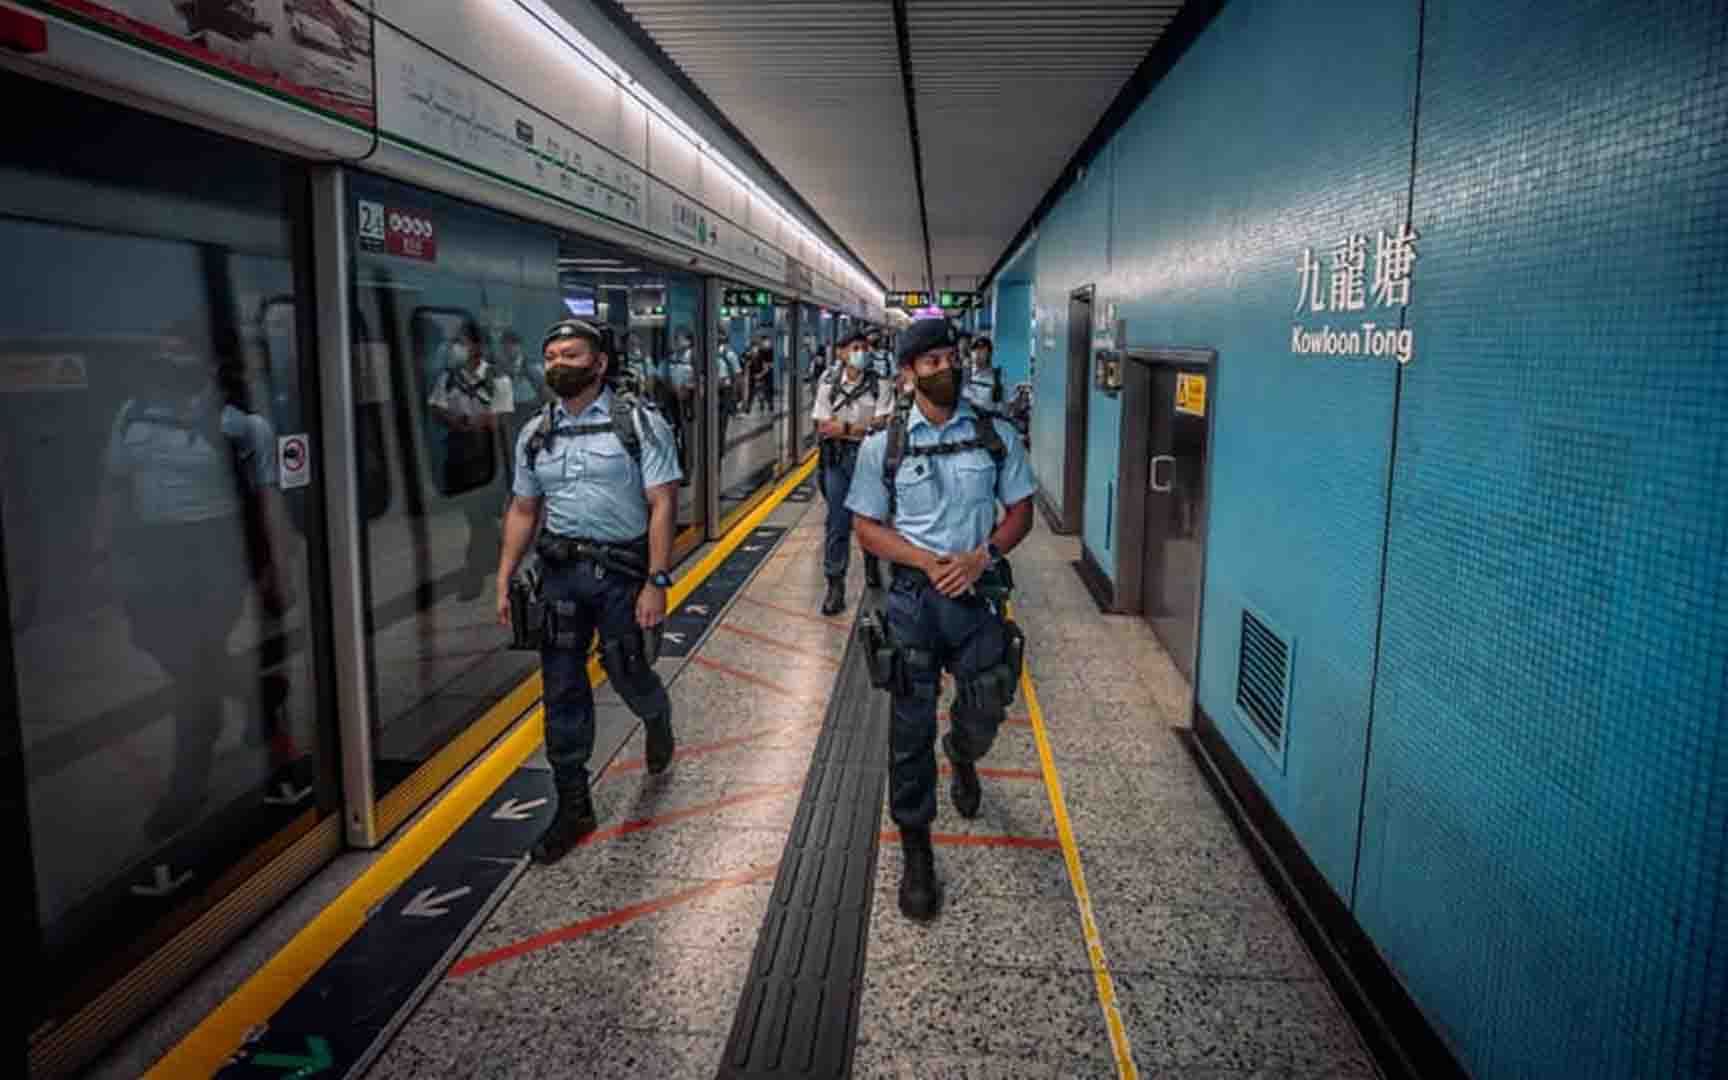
{"points": [[946, 299], [748, 298]]}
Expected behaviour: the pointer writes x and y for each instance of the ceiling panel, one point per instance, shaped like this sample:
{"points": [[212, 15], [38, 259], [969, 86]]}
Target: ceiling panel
{"points": [[816, 86], [1006, 91]]}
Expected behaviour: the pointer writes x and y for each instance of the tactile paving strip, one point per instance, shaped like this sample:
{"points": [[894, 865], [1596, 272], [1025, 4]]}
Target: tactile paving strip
{"points": [[798, 1012]]}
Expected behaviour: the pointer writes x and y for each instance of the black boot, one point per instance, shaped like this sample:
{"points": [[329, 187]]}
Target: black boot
{"points": [[965, 790], [661, 745], [835, 602], [574, 820], [872, 574], [920, 892]]}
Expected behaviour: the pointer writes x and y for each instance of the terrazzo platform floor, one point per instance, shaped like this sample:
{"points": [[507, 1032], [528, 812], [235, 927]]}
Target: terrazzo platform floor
{"points": [[639, 942]]}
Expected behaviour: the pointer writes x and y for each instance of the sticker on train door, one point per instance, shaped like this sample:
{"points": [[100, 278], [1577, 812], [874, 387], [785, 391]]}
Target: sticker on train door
{"points": [[294, 461], [1191, 394]]}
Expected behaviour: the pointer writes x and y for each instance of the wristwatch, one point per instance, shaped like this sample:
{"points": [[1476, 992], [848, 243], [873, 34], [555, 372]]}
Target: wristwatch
{"points": [[994, 552], [662, 580]]}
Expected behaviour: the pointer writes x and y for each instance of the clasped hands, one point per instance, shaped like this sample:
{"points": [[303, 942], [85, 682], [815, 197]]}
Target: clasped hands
{"points": [[954, 575]]}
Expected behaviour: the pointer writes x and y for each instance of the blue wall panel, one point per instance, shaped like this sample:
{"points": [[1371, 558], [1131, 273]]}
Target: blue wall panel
{"points": [[1072, 252], [1543, 856], [1542, 848], [1203, 250], [1013, 333]]}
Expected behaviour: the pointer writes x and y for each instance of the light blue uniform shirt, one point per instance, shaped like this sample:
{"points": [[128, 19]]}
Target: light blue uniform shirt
{"points": [[592, 488], [176, 473], [946, 503], [980, 387]]}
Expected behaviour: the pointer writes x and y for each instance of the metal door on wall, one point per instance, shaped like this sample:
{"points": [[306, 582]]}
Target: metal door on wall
{"points": [[1073, 506], [1175, 529]]}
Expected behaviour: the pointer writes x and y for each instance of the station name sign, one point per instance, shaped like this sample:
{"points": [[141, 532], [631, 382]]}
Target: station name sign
{"points": [[1342, 286]]}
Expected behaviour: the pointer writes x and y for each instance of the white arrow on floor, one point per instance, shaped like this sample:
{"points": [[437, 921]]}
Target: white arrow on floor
{"points": [[163, 883], [287, 794], [426, 904], [696, 609], [676, 639], [515, 811], [751, 547]]}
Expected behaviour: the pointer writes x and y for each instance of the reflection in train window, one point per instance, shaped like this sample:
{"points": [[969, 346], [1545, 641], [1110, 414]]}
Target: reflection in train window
{"points": [[651, 315], [467, 397], [161, 625], [756, 359]]}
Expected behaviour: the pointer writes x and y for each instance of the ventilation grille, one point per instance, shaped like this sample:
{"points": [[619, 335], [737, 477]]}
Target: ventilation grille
{"points": [[1263, 680]]}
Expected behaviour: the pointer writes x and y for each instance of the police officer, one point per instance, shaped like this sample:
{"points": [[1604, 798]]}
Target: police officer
{"points": [[983, 381], [468, 398], [924, 496], [851, 402], [606, 470]]}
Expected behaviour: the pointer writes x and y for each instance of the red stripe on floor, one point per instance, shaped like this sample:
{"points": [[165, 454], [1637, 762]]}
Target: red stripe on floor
{"points": [[672, 817], [470, 964], [1041, 843], [700, 749], [757, 680], [832, 624], [766, 640]]}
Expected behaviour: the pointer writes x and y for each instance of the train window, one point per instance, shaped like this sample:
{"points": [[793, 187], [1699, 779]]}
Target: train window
{"points": [[159, 571]]}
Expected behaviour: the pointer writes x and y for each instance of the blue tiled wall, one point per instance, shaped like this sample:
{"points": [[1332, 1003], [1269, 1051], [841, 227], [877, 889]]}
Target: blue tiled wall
{"points": [[1541, 803], [1013, 332], [1072, 252], [1202, 250], [1544, 851]]}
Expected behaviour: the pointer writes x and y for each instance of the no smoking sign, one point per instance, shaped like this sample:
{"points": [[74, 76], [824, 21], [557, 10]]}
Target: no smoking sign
{"points": [[294, 461]]}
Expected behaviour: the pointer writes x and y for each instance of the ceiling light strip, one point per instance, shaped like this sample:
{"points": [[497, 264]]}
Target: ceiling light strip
{"points": [[904, 35]]}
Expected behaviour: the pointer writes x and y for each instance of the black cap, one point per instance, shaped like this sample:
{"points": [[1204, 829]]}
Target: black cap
{"points": [[923, 336], [852, 339], [575, 328]]}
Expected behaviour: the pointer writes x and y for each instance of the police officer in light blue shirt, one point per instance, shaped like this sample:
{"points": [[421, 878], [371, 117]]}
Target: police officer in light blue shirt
{"points": [[983, 381], [923, 497], [605, 469], [188, 513]]}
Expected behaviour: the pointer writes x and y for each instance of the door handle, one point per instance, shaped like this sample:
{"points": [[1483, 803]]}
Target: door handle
{"points": [[1157, 460]]}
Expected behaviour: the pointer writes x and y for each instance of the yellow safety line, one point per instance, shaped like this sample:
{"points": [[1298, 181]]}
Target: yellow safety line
{"points": [[1125, 1067], [209, 1046]]}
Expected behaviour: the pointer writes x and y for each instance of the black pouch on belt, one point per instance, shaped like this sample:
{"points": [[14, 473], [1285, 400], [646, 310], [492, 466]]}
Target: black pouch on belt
{"points": [[996, 584], [878, 652], [1015, 654], [527, 610]]}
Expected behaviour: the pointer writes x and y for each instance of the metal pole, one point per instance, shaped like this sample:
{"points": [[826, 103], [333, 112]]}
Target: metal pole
{"points": [[341, 476]]}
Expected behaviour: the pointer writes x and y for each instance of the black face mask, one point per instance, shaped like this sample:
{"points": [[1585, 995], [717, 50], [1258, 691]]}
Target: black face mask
{"points": [[942, 388], [568, 382]]}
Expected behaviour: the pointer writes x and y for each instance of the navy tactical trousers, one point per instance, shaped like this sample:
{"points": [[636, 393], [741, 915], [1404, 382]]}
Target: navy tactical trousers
{"points": [[836, 485], [965, 637], [593, 601]]}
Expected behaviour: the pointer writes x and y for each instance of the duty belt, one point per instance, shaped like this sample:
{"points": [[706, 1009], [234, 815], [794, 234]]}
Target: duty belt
{"points": [[994, 585], [629, 558]]}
